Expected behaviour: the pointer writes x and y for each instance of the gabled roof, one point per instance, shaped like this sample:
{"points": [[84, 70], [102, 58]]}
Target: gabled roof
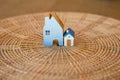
{"points": [[57, 19], [69, 31]]}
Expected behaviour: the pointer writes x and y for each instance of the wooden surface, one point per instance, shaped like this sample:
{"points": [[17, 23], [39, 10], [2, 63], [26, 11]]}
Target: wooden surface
{"points": [[95, 56]]}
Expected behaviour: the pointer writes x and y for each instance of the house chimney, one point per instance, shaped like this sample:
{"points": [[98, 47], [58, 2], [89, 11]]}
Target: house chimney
{"points": [[50, 15]]}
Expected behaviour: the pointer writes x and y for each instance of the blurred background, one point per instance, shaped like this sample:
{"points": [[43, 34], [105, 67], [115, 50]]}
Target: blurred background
{"points": [[110, 8]]}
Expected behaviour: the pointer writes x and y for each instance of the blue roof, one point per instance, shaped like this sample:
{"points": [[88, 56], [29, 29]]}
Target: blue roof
{"points": [[69, 31]]}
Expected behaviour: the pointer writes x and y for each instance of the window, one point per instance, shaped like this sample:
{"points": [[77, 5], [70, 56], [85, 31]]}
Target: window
{"points": [[47, 32]]}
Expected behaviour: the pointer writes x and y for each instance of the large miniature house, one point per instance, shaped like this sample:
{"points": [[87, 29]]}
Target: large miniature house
{"points": [[53, 32]]}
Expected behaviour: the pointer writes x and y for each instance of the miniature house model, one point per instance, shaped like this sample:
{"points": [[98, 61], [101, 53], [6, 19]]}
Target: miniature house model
{"points": [[69, 37], [53, 32]]}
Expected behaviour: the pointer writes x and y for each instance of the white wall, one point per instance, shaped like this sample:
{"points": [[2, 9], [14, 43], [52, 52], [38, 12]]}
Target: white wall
{"points": [[68, 37]]}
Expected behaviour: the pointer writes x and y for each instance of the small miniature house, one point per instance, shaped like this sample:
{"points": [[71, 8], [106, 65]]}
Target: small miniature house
{"points": [[53, 30], [69, 37]]}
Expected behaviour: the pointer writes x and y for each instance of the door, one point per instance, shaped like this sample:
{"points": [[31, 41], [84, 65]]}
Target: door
{"points": [[55, 42], [68, 42]]}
